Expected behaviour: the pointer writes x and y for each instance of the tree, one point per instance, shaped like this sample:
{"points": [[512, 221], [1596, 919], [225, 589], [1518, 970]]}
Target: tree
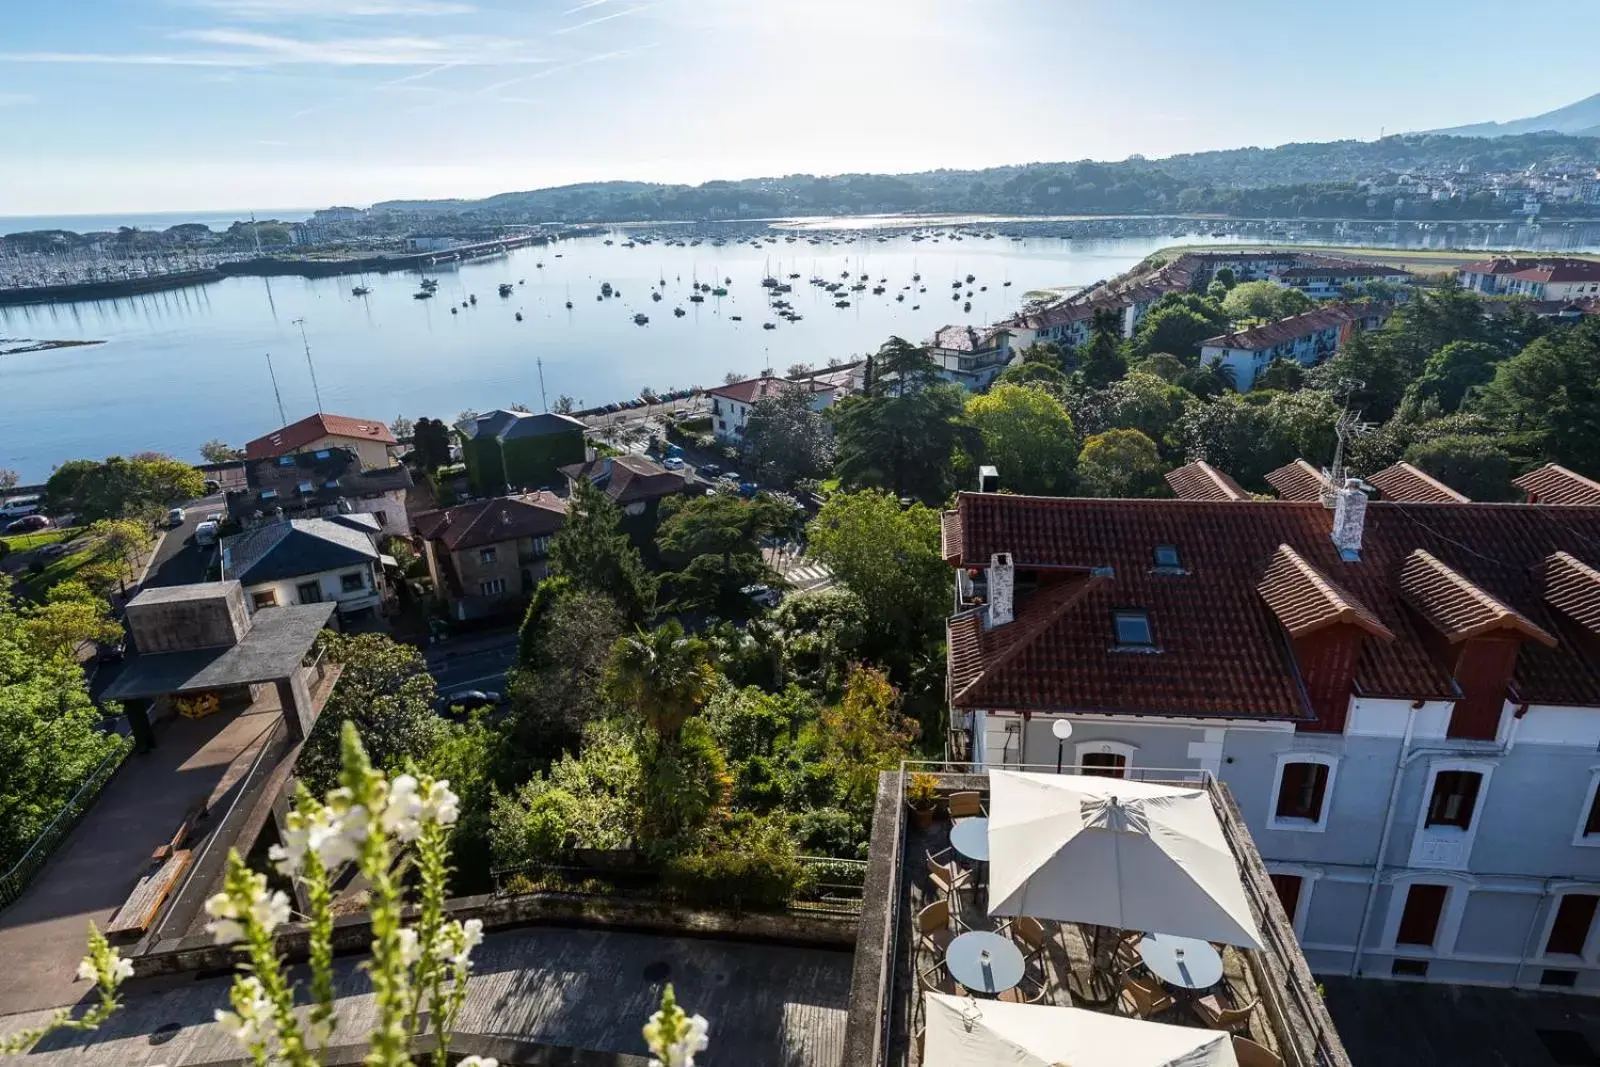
{"points": [[1030, 373], [1026, 433], [819, 635], [1228, 433], [8, 480], [904, 443], [1264, 300], [386, 692], [786, 438], [1120, 463], [1282, 374], [889, 557], [402, 428], [219, 451], [430, 444], [1177, 329], [1451, 372], [1364, 370], [591, 550], [900, 367], [1475, 466], [1102, 361], [1547, 398], [662, 675], [71, 616], [137, 487], [554, 691], [865, 733]]}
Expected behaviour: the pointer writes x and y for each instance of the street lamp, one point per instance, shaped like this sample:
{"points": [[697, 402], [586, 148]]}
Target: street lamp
{"points": [[1063, 730]]}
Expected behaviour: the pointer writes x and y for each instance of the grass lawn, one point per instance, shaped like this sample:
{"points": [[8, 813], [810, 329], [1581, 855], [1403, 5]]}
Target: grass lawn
{"points": [[27, 542]]}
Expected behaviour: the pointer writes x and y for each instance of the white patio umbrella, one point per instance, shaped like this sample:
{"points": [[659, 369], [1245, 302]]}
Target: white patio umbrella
{"points": [[989, 1033], [1129, 855]]}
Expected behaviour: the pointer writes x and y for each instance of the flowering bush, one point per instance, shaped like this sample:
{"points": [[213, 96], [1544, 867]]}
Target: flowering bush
{"points": [[418, 973]]}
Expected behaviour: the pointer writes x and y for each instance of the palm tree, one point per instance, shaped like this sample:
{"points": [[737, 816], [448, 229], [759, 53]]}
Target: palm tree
{"points": [[664, 673]]}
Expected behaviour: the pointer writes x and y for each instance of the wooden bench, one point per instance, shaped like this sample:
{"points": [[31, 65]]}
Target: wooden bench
{"points": [[144, 903], [190, 817]]}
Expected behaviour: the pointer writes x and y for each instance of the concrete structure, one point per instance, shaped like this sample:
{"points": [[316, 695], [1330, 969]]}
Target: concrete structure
{"points": [[485, 557], [634, 483], [202, 639], [309, 561], [371, 439], [321, 483], [1307, 338], [519, 450], [731, 404], [969, 357], [1543, 278], [1403, 698]]}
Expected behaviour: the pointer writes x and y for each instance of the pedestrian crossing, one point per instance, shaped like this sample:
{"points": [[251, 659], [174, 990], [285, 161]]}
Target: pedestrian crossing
{"points": [[802, 574]]}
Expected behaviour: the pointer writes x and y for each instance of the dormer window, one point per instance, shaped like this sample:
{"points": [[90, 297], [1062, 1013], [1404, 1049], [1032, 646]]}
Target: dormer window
{"points": [[307, 487], [1167, 559], [1133, 629], [285, 461]]}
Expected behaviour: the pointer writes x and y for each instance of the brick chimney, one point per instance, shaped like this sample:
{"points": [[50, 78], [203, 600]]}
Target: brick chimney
{"points": [[1002, 589]]}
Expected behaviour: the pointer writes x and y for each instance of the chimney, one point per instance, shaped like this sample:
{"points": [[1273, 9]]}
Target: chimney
{"points": [[1349, 519], [1002, 589], [988, 479]]}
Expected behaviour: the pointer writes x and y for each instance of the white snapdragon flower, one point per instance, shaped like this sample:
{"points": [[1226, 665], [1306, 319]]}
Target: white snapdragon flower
{"points": [[457, 940], [87, 969], [479, 1061], [122, 971], [680, 1053], [225, 927], [441, 806], [252, 1011], [402, 810], [410, 948], [270, 912]]}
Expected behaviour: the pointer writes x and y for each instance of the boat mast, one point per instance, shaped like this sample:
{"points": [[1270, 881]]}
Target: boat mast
{"points": [[313, 367], [281, 415]]}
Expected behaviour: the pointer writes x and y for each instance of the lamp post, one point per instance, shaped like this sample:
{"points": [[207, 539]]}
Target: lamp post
{"points": [[1063, 730]]}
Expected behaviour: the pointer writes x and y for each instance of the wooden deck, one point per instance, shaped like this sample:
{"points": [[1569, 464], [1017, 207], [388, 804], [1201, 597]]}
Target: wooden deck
{"points": [[144, 903], [767, 1005]]}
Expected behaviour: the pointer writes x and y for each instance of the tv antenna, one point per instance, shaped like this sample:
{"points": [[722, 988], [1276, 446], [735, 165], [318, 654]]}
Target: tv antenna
{"points": [[544, 400], [1348, 427], [275, 392], [313, 367]]}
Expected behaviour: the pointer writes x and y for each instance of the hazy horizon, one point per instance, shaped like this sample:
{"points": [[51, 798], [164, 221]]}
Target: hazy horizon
{"points": [[203, 105]]}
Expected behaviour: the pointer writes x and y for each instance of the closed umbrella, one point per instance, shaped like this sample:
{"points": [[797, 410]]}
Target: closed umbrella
{"points": [[990, 1033], [1110, 852]]}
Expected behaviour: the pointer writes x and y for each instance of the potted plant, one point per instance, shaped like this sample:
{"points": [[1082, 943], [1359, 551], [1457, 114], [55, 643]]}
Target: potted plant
{"points": [[920, 797]]}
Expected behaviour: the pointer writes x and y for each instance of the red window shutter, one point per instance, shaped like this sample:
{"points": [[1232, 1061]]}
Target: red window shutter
{"points": [[1571, 928], [1419, 922], [1288, 887]]}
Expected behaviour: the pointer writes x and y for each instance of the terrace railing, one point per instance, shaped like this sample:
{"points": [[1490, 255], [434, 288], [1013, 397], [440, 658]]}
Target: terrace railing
{"points": [[15, 880]]}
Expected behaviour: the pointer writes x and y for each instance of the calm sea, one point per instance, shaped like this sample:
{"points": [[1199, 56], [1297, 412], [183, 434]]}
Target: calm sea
{"points": [[217, 220]]}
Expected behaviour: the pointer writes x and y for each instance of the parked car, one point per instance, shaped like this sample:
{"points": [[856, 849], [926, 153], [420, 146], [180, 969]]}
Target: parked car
{"points": [[710, 470], [55, 551], [205, 535], [764, 595], [176, 516], [28, 524], [672, 463], [471, 699], [113, 651]]}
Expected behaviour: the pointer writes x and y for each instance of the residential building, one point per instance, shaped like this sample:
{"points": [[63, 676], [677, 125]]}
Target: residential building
{"points": [[970, 357], [309, 561], [1307, 338], [326, 482], [636, 484], [1330, 279], [1555, 484], [1543, 278], [519, 449], [1403, 698], [731, 404], [371, 439], [484, 557]]}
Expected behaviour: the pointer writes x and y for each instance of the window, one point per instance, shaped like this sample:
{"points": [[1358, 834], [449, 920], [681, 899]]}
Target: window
{"points": [[1288, 887], [1104, 764], [383, 519], [1302, 787], [1455, 798], [1167, 558], [353, 582], [493, 587], [1133, 629], [1570, 930], [1564, 979], [1409, 968], [266, 598], [1589, 832], [309, 592], [1419, 922], [486, 555]]}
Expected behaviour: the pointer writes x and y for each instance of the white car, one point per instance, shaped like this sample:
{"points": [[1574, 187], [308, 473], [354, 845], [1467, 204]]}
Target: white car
{"points": [[205, 534], [672, 463], [175, 517]]}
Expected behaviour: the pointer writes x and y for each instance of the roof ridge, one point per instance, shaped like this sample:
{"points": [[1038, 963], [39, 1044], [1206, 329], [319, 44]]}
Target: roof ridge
{"points": [[1417, 472], [1344, 603], [1497, 607], [1068, 592]]}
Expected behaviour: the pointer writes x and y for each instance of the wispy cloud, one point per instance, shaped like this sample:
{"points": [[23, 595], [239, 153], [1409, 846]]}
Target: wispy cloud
{"points": [[586, 5], [624, 13], [602, 57], [244, 48], [297, 9]]}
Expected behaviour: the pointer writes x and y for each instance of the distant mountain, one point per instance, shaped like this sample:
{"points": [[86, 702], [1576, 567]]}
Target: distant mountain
{"points": [[1579, 120]]}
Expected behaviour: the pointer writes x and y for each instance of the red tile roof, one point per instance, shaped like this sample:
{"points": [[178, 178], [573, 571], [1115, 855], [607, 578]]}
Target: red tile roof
{"points": [[1405, 482], [1201, 481], [489, 522], [977, 655], [748, 392], [1572, 587], [1221, 649], [299, 434], [628, 479], [1554, 484], [1305, 600], [1538, 268], [1346, 269], [1455, 606], [1298, 481], [1284, 330]]}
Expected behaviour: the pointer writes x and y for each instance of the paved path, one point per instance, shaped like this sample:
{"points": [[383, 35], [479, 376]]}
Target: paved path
{"points": [[92, 873], [178, 560], [768, 1006]]}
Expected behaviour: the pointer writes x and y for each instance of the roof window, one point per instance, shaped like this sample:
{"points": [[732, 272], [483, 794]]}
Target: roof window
{"points": [[1133, 629], [285, 461], [269, 494], [306, 487], [1167, 558], [323, 453]]}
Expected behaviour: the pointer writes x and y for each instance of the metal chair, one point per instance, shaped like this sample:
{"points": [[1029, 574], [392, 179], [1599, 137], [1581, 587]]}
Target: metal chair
{"points": [[933, 926], [1125, 957], [1210, 1011], [966, 805], [1029, 991], [947, 878], [937, 979], [1143, 999]]}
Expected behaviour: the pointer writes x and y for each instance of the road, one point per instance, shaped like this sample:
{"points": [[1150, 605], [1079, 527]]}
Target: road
{"points": [[178, 560], [477, 661]]}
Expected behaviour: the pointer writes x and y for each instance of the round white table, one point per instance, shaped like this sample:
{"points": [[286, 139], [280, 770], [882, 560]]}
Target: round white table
{"points": [[984, 962], [970, 837], [1186, 962]]}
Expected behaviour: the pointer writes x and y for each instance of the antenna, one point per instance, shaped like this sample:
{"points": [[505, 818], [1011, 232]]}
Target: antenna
{"points": [[542, 398], [275, 392], [314, 390], [255, 231], [1348, 426]]}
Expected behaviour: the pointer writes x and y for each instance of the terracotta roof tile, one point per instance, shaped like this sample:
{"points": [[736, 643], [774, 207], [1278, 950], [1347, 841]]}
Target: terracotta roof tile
{"points": [[748, 392], [1554, 484], [1572, 587], [489, 522], [1283, 330], [1222, 650], [1455, 606], [979, 656], [628, 479], [1298, 481], [299, 434], [1413, 485], [950, 536], [1305, 600], [1201, 481]]}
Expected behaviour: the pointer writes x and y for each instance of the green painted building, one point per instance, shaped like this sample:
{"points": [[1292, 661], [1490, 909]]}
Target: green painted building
{"points": [[512, 450]]}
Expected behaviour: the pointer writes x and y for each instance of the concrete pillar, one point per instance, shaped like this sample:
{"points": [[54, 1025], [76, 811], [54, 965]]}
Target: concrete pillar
{"points": [[295, 698]]}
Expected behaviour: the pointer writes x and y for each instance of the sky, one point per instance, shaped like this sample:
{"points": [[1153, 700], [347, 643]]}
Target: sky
{"points": [[173, 105]]}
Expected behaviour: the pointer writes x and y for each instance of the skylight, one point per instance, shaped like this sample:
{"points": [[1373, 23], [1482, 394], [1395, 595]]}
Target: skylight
{"points": [[1133, 629]]}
